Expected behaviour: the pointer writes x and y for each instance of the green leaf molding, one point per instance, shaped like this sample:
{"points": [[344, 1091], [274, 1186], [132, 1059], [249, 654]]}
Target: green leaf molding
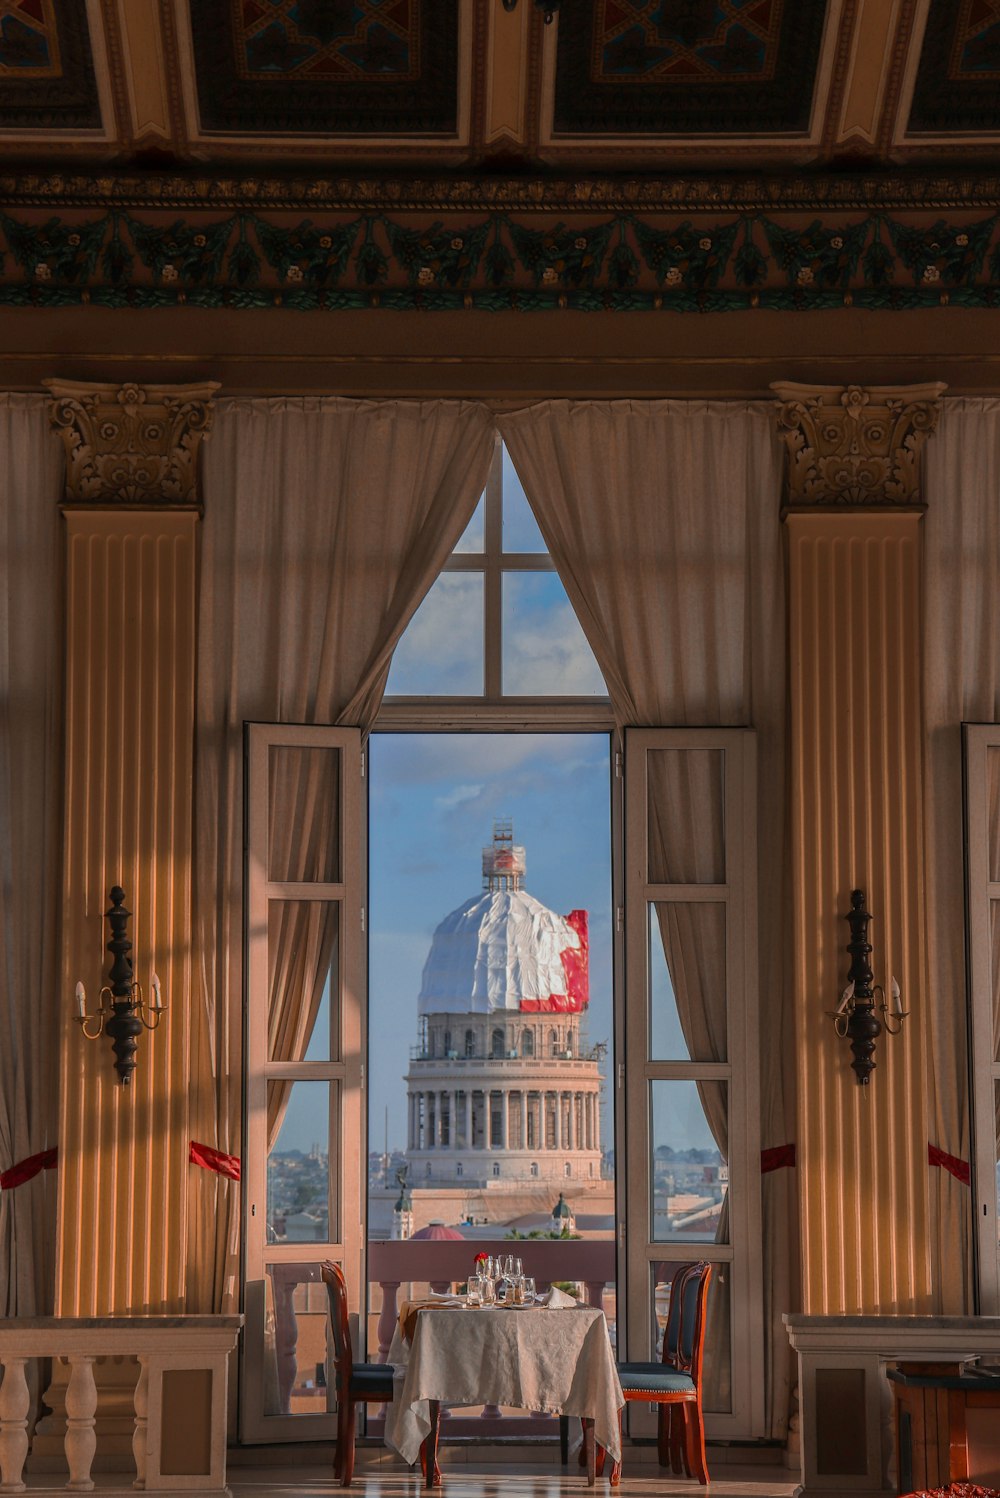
{"points": [[498, 260]]}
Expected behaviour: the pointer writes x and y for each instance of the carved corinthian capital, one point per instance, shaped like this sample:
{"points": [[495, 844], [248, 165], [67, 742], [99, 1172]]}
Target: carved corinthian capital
{"points": [[851, 445], [131, 444]]}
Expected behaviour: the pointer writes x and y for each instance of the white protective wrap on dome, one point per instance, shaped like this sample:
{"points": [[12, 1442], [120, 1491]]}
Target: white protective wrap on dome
{"points": [[504, 950]]}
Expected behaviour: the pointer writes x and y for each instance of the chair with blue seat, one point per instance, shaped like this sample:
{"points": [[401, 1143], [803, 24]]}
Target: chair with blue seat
{"points": [[357, 1383], [674, 1384]]}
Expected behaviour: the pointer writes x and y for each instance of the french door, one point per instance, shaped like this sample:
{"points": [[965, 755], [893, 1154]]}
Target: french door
{"points": [[690, 1073], [304, 1184]]}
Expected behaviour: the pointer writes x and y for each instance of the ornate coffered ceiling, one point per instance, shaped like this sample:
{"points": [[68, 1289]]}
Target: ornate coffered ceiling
{"points": [[463, 85]]}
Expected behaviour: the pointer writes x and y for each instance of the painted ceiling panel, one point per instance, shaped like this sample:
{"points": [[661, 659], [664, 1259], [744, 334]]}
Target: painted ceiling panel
{"points": [[317, 67], [675, 67], [958, 80], [47, 79]]}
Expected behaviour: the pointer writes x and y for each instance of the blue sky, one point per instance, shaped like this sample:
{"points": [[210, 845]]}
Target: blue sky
{"points": [[433, 801]]}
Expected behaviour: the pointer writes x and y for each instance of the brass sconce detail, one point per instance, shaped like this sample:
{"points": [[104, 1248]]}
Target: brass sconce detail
{"points": [[855, 1018], [124, 1015]]}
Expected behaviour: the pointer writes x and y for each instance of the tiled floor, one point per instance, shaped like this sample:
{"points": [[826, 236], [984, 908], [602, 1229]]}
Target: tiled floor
{"points": [[468, 1479]]}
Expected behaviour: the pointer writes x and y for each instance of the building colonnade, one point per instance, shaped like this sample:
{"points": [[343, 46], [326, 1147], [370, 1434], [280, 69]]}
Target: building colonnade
{"points": [[504, 1118]]}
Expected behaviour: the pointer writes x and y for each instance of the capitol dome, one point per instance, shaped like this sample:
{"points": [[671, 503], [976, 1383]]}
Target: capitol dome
{"points": [[504, 949]]}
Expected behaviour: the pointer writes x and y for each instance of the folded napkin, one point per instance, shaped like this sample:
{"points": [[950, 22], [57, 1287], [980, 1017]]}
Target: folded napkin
{"points": [[558, 1300], [410, 1309]]}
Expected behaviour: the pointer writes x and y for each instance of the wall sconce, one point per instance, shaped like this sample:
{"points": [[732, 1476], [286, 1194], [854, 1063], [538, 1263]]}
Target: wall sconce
{"points": [[123, 1017], [855, 1016], [547, 7]]}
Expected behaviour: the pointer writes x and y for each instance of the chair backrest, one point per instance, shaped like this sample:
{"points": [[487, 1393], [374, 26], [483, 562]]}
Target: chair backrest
{"points": [[343, 1353], [672, 1330], [694, 1297]]}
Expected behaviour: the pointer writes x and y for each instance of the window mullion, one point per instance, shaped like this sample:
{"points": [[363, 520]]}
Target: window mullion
{"points": [[493, 583]]}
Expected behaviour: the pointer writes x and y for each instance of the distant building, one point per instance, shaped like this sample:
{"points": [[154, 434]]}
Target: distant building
{"points": [[503, 1086]]}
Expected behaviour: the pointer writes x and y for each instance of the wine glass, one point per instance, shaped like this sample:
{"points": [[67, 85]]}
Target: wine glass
{"points": [[529, 1289]]}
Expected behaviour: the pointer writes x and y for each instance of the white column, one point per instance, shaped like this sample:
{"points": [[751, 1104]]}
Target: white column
{"points": [[505, 1118], [14, 1403], [559, 1109], [524, 1118], [81, 1439], [139, 1435]]}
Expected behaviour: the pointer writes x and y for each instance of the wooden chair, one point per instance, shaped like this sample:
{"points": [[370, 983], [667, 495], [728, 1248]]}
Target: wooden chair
{"points": [[675, 1383], [357, 1383]]}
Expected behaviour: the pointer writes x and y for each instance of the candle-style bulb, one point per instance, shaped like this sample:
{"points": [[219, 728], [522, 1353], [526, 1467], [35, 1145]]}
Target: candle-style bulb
{"points": [[846, 997], [897, 997], [81, 1001], [157, 996]]}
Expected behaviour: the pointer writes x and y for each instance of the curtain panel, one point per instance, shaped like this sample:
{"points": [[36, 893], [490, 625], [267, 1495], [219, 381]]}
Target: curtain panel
{"points": [[32, 1011], [662, 520], [326, 521], [961, 650]]}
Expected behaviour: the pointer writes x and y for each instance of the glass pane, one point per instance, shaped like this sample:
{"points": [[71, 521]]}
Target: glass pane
{"points": [[520, 528], [686, 819], [545, 652], [303, 950], [299, 1186], [993, 790], [717, 1365], [995, 970], [303, 841], [474, 536], [690, 1185], [441, 652], [298, 1357], [687, 981]]}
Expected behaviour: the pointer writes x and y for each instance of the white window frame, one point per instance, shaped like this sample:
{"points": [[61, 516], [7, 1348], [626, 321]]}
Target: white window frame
{"points": [[743, 1253], [978, 739], [346, 1144]]}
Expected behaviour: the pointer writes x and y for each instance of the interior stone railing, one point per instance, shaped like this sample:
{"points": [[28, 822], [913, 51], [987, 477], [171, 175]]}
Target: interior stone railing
{"points": [[174, 1446]]}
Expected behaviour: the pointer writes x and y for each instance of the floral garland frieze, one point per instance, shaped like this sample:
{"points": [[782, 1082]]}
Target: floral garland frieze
{"points": [[499, 261]]}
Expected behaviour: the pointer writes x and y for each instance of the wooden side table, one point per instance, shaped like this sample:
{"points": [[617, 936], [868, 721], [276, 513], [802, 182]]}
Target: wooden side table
{"points": [[941, 1434]]}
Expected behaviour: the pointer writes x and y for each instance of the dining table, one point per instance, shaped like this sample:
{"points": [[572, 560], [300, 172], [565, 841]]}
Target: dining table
{"points": [[535, 1357]]}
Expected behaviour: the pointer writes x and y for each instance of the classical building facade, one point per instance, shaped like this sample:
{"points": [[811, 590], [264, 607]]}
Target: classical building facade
{"points": [[503, 1084]]}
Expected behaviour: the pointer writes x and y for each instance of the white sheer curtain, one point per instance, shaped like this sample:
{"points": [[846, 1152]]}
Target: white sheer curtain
{"points": [[662, 519], [31, 1009], [326, 521], [961, 682]]}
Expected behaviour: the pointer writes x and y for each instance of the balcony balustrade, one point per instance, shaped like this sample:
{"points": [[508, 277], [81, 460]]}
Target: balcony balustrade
{"points": [[176, 1444]]}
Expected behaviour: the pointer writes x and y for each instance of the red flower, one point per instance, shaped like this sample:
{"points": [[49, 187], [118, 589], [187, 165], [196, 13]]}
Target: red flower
{"points": [[480, 1258]]}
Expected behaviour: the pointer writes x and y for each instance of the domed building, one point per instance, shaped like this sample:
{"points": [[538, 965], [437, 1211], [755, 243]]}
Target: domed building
{"points": [[503, 1085]]}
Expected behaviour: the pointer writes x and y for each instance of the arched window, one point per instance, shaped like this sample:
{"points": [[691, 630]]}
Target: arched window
{"points": [[470, 1042], [447, 1042], [496, 1044], [496, 1169], [568, 1169], [458, 1168], [534, 1167], [527, 1042], [554, 1042]]}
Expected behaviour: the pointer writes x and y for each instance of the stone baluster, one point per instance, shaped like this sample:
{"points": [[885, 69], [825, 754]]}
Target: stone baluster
{"points": [[81, 1437], [387, 1317], [141, 1421], [14, 1402], [286, 1336]]}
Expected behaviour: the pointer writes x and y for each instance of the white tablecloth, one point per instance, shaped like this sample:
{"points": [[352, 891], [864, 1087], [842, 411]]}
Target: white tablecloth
{"points": [[560, 1362]]}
